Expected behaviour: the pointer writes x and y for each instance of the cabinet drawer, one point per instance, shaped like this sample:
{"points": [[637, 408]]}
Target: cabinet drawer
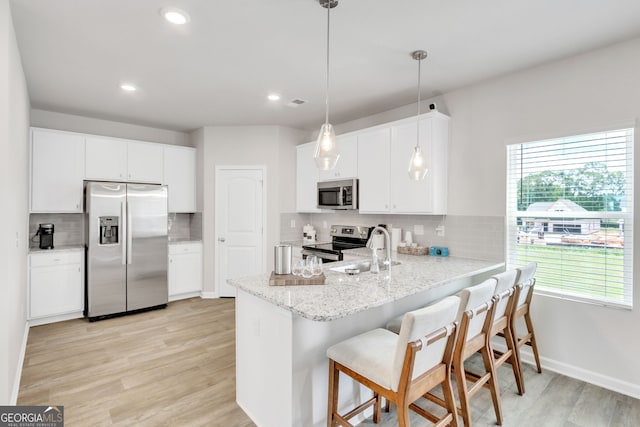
{"points": [[55, 258], [185, 248]]}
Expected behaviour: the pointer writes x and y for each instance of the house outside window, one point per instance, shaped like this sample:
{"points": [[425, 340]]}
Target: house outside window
{"points": [[570, 208]]}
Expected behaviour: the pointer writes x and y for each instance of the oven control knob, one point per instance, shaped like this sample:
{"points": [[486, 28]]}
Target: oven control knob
{"points": [[334, 230]]}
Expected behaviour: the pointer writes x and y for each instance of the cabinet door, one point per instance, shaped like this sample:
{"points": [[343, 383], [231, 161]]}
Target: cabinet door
{"points": [[373, 170], [407, 195], [180, 178], [144, 162], [347, 166], [56, 290], [185, 273], [106, 159], [57, 169], [306, 179]]}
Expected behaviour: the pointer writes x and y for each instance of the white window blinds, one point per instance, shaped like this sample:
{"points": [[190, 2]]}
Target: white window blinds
{"points": [[570, 208]]}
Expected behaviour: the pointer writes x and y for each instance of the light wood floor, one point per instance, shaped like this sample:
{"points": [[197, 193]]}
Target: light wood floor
{"points": [[167, 367], [177, 367]]}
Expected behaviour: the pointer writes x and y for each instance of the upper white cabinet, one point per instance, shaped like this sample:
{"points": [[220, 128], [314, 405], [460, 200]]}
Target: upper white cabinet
{"points": [[113, 159], [347, 166], [57, 169], [106, 158], [306, 179], [180, 178], [383, 160], [144, 162], [373, 170]]}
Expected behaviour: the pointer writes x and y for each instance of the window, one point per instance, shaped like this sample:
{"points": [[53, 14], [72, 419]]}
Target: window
{"points": [[570, 208]]}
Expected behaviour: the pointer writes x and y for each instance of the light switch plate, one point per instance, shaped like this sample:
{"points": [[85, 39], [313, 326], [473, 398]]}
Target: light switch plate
{"points": [[418, 229], [440, 230], [293, 223]]}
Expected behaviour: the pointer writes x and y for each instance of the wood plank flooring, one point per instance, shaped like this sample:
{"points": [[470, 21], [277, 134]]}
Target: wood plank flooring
{"points": [[166, 367], [177, 367]]}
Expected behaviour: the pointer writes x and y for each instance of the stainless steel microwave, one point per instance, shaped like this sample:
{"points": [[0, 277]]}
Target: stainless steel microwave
{"points": [[342, 194]]}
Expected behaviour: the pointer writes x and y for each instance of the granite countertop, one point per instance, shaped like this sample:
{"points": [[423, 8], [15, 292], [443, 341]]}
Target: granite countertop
{"points": [[343, 295], [61, 248]]}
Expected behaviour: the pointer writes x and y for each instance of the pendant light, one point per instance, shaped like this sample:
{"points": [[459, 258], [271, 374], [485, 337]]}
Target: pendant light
{"points": [[418, 164], [326, 154]]}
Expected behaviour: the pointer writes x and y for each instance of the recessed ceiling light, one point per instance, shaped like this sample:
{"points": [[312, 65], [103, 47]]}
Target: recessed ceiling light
{"points": [[128, 87], [175, 16], [273, 97]]}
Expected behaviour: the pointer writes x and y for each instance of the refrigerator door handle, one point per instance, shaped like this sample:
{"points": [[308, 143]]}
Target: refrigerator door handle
{"points": [[129, 236], [123, 231]]}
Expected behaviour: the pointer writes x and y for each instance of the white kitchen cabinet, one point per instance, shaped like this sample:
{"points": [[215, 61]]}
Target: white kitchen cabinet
{"points": [[185, 270], [56, 284], [144, 162], [347, 166], [306, 179], [106, 159], [373, 170], [385, 186], [180, 178], [114, 159], [57, 169]]}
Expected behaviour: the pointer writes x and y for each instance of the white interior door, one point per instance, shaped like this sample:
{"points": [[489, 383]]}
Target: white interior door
{"points": [[239, 225]]}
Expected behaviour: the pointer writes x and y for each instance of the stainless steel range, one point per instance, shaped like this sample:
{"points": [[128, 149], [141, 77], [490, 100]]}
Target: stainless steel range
{"points": [[342, 237]]}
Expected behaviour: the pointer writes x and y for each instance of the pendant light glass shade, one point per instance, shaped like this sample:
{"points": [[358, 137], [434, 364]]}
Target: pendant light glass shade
{"points": [[326, 153], [418, 163]]}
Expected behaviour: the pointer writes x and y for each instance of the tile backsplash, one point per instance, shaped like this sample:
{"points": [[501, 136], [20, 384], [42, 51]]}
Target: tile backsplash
{"points": [[480, 237], [69, 227]]}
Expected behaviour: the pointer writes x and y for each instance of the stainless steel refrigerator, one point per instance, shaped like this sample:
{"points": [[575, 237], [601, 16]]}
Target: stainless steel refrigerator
{"points": [[126, 236]]}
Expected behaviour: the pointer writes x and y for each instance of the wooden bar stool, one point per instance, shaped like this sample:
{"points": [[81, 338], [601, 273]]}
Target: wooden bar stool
{"points": [[401, 368], [504, 304], [524, 292], [475, 325]]}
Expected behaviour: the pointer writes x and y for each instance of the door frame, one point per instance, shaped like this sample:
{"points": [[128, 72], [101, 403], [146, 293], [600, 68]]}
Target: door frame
{"points": [[220, 168]]}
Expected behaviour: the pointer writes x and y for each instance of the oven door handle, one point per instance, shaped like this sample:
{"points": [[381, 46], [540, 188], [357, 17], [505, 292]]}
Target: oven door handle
{"points": [[333, 257]]}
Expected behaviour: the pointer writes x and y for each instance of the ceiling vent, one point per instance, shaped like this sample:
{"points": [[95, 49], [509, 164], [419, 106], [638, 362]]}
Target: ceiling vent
{"points": [[295, 103]]}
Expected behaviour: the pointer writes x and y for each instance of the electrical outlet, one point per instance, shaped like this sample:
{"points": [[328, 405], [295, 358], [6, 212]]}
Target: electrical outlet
{"points": [[324, 224], [418, 229], [440, 230], [293, 223]]}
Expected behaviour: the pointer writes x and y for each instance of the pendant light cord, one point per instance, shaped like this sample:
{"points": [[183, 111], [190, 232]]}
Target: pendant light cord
{"points": [[326, 98], [418, 118]]}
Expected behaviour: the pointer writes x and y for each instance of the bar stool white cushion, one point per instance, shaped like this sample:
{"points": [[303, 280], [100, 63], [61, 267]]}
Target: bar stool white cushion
{"points": [[506, 281], [369, 354], [379, 354]]}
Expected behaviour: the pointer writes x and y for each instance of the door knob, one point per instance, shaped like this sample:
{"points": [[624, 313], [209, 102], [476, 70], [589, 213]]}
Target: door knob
{"points": [[221, 239]]}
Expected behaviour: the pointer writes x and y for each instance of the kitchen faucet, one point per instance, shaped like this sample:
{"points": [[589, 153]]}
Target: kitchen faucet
{"points": [[387, 244]]}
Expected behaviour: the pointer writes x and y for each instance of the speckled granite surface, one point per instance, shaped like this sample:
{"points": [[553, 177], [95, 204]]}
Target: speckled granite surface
{"points": [[343, 295]]}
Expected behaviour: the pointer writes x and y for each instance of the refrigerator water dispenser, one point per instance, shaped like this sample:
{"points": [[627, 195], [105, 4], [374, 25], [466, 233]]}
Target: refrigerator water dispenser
{"points": [[108, 230]]}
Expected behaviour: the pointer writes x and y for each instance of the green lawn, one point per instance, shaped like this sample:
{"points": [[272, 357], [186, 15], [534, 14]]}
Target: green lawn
{"points": [[588, 272]]}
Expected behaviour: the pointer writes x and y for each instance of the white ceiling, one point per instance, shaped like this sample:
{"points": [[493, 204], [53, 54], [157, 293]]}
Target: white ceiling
{"points": [[218, 69]]}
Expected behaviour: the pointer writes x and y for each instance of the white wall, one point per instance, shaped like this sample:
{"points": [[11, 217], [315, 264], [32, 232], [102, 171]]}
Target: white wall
{"points": [[82, 124], [14, 131], [270, 146], [579, 94]]}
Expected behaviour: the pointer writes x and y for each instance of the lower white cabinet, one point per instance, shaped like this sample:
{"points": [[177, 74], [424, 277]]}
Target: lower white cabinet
{"points": [[185, 270], [56, 284]]}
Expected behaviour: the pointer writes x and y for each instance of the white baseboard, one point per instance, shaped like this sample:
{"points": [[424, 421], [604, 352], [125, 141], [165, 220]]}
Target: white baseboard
{"points": [[581, 374], [18, 375], [185, 295], [208, 295], [57, 318]]}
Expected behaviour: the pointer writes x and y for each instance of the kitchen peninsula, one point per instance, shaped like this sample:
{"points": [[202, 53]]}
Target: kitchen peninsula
{"points": [[282, 332]]}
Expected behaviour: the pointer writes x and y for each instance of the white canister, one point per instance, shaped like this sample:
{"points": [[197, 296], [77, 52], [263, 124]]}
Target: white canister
{"points": [[408, 237], [282, 259], [396, 236]]}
